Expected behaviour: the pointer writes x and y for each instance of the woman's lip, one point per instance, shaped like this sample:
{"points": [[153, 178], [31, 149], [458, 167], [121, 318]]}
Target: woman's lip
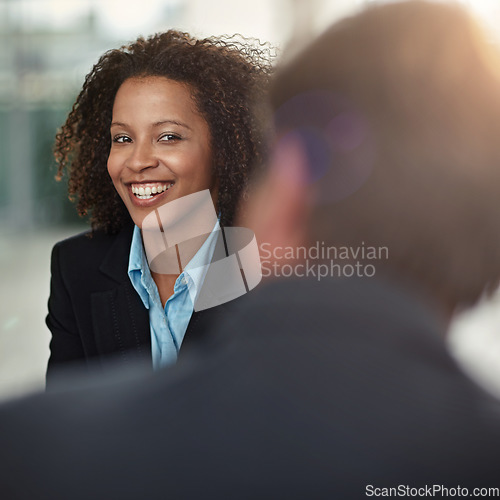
{"points": [[142, 183], [154, 200]]}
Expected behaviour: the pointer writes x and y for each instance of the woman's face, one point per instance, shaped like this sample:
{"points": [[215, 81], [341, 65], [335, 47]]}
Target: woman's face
{"points": [[160, 148]]}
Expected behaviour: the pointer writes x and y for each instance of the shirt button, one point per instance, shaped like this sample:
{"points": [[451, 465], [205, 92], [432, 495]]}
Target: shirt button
{"points": [[184, 281]]}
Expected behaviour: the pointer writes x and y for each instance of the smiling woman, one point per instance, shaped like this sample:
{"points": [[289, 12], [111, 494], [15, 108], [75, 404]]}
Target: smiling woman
{"points": [[156, 121]]}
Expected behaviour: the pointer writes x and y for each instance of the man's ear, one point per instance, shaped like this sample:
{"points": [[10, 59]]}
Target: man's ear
{"points": [[278, 210]]}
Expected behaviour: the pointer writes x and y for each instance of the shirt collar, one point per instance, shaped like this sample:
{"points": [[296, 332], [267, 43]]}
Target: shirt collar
{"points": [[138, 269]]}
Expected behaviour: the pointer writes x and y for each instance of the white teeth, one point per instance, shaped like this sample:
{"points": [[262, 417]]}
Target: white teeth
{"points": [[145, 193]]}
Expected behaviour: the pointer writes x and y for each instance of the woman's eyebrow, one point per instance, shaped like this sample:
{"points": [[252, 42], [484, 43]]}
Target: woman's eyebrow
{"points": [[172, 122], [118, 124], [156, 124]]}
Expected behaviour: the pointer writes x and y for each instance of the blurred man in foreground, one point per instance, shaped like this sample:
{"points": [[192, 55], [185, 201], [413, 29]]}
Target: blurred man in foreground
{"points": [[386, 158]]}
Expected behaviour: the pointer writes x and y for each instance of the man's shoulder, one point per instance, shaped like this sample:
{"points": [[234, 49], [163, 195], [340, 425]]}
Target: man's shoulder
{"points": [[345, 300]]}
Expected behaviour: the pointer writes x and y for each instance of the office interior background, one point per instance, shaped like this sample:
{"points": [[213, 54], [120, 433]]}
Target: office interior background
{"points": [[46, 49]]}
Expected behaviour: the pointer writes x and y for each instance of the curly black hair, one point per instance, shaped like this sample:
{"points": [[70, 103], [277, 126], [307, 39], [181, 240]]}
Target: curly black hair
{"points": [[228, 77]]}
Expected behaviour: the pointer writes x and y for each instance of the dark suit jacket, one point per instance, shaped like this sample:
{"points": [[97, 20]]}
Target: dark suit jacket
{"points": [[311, 391], [95, 314]]}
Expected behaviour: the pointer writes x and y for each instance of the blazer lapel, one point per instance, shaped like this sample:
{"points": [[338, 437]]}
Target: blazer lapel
{"points": [[120, 320]]}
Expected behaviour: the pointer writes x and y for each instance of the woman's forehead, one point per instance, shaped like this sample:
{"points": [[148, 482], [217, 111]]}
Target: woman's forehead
{"points": [[155, 99]]}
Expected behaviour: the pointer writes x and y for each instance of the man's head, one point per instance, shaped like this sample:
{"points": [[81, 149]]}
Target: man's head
{"points": [[387, 131]]}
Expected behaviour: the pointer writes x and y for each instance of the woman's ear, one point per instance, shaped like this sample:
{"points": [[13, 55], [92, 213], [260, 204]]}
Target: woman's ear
{"points": [[278, 211]]}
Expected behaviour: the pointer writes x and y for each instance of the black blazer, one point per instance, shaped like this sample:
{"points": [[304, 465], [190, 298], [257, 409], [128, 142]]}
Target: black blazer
{"points": [[95, 313]]}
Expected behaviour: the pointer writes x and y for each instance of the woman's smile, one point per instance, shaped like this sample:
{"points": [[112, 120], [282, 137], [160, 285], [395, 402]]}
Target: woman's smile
{"points": [[147, 194]]}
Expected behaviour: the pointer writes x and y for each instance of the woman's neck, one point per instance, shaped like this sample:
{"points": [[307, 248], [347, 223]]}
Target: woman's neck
{"points": [[169, 264]]}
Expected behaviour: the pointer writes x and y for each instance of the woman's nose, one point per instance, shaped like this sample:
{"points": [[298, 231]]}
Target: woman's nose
{"points": [[142, 157]]}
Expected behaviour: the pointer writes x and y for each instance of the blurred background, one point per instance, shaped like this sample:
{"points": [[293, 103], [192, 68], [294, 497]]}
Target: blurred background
{"points": [[46, 49]]}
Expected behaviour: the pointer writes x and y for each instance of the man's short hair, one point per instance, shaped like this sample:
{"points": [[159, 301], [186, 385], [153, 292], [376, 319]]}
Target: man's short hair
{"points": [[398, 111]]}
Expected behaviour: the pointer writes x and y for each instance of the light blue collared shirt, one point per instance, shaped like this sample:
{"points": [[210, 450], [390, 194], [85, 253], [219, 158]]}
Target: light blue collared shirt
{"points": [[168, 324]]}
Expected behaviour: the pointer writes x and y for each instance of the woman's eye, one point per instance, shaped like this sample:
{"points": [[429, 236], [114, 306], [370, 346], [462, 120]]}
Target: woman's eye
{"points": [[169, 137], [121, 139]]}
